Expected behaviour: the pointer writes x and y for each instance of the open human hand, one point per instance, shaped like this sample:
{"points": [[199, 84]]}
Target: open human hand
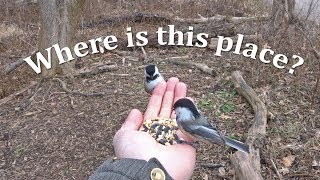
{"points": [[129, 142]]}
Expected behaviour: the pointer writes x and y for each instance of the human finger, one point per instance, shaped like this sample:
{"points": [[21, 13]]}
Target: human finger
{"points": [[168, 98], [155, 101], [173, 114], [133, 121], [180, 91]]}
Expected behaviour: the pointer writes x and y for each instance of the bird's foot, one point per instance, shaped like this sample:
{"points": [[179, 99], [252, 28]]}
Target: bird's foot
{"points": [[194, 144]]}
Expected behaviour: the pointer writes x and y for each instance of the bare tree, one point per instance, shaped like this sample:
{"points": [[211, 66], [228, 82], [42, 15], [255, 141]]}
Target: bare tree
{"points": [[282, 14], [311, 8], [59, 23]]}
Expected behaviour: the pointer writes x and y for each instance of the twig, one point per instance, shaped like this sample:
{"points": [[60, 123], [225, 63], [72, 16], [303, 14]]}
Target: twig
{"points": [[14, 65], [27, 102], [31, 96], [46, 93], [64, 87], [180, 57], [276, 169], [199, 66], [316, 55], [97, 70], [121, 75], [125, 55], [120, 53], [26, 42], [145, 57], [303, 175], [211, 165]]}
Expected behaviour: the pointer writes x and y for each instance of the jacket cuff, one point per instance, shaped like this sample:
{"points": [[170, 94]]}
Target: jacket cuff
{"points": [[131, 169]]}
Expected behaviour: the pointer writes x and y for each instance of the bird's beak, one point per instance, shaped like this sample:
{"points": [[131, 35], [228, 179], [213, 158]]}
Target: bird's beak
{"points": [[149, 77]]}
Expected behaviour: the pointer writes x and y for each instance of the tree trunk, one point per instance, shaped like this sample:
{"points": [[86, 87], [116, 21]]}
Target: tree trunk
{"points": [[282, 15], [291, 7], [59, 23]]}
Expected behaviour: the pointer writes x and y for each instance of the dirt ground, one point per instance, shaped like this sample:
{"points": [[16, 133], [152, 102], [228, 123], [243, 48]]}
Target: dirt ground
{"points": [[62, 136]]}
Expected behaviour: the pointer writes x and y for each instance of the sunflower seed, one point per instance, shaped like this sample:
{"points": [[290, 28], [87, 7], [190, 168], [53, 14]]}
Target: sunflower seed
{"points": [[163, 130]]}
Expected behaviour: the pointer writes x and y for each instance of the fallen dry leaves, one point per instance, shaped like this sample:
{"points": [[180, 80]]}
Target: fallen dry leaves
{"points": [[288, 160]]}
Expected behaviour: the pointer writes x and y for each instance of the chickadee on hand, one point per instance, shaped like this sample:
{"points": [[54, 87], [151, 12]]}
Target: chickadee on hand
{"points": [[193, 124], [152, 78]]}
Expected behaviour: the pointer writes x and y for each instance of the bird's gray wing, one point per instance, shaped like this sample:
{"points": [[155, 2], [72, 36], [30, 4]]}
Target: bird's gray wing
{"points": [[201, 127], [209, 134]]}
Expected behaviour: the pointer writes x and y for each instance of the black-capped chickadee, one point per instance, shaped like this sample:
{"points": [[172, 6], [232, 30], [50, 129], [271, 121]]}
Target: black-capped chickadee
{"points": [[193, 124], [152, 78]]}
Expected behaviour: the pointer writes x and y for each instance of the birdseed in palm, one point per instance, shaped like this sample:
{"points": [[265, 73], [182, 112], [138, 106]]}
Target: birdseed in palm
{"points": [[163, 130]]}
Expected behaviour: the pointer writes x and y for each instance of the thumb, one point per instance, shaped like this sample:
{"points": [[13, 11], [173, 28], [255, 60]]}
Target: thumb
{"points": [[133, 121]]}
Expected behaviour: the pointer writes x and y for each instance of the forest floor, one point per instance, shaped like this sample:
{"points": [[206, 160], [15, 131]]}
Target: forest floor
{"points": [[63, 136]]}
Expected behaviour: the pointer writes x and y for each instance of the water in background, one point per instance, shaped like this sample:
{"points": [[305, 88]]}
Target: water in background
{"points": [[302, 8]]}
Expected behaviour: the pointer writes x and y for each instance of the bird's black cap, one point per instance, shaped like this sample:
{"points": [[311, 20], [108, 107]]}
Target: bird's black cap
{"points": [[187, 103], [150, 69]]}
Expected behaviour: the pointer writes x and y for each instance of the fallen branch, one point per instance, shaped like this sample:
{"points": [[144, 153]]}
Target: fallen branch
{"points": [[11, 96], [97, 69], [211, 165], [121, 75], [145, 57], [121, 53], [136, 17], [222, 18], [180, 57], [9, 68], [199, 66], [248, 166], [64, 87], [127, 55], [276, 169], [213, 30], [253, 38]]}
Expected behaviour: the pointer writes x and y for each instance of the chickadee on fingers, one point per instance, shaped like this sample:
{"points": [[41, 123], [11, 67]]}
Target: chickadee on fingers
{"points": [[152, 78], [193, 124]]}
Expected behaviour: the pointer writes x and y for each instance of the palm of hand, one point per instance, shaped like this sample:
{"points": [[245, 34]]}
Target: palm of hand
{"points": [[178, 159]]}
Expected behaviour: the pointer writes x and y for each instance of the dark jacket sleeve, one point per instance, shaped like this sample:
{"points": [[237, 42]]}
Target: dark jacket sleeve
{"points": [[124, 169]]}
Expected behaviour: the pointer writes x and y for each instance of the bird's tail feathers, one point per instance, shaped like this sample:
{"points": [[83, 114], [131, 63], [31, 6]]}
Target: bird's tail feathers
{"points": [[237, 145]]}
